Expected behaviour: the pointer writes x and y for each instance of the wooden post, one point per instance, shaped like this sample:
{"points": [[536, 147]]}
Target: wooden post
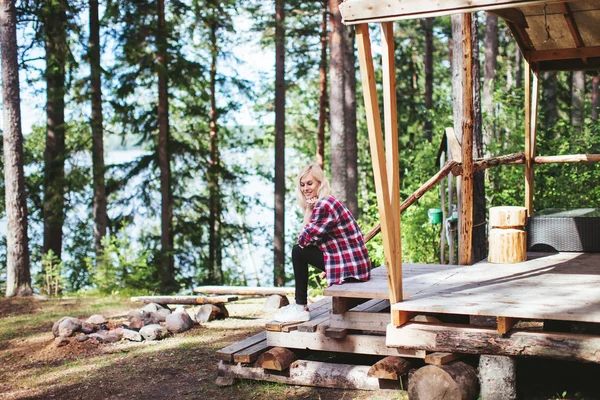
{"points": [[444, 214], [450, 205], [394, 272], [528, 152], [465, 227]]}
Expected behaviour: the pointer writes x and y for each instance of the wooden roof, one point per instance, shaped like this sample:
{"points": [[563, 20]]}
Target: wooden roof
{"points": [[553, 35]]}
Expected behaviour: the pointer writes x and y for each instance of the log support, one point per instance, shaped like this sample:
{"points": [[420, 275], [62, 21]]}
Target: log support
{"points": [[390, 368], [498, 378], [505, 324], [276, 359], [450, 381]]}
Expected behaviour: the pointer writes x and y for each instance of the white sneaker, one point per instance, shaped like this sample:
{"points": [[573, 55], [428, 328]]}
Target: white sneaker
{"points": [[292, 313]]}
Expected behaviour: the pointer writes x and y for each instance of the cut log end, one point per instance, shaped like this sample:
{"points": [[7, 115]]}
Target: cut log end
{"points": [[508, 216], [210, 312], [507, 246], [277, 359], [390, 368], [451, 381]]}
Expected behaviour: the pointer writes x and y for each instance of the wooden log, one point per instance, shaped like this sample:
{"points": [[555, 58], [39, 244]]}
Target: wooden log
{"points": [[507, 245], [498, 377], [508, 217], [455, 381], [227, 353], [391, 367], [486, 163], [417, 194], [210, 312], [245, 290], [439, 358], [277, 359], [275, 301], [471, 340], [572, 158], [343, 376], [465, 221], [183, 299]]}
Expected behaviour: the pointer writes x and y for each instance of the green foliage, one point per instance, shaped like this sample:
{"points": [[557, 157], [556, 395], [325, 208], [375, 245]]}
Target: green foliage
{"points": [[50, 279], [122, 266]]}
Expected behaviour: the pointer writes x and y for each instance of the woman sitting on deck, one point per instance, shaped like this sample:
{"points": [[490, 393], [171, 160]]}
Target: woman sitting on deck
{"points": [[330, 240]]}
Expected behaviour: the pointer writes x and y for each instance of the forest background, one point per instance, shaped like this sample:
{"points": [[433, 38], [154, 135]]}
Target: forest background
{"points": [[210, 102]]}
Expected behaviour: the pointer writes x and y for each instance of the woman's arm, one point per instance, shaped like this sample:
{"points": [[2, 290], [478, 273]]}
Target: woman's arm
{"points": [[321, 222]]}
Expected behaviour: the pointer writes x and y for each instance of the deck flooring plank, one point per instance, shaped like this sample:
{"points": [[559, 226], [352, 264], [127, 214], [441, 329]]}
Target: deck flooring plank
{"points": [[227, 353]]}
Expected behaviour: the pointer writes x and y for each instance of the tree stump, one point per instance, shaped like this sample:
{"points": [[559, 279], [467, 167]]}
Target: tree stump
{"points": [[498, 377], [507, 238], [454, 381], [275, 302], [209, 312], [278, 359], [391, 367]]}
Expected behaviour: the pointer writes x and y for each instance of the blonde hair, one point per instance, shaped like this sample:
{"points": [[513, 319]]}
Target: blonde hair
{"points": [[317, 173]]}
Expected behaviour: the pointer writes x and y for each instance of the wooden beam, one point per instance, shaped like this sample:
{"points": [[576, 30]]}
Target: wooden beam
{"points": [[480, 165], [563, 54], [367, 72], [573, 27], [535, 92], [471, 340], [572, 158], [227, 353], [439, 358], [513, 15], [388, 61], [364, 11], [244, 290], [528, 149], [465, 225], [183, 299], [505, 324]]}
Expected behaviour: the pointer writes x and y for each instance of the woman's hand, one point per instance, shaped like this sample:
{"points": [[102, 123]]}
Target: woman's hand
{"points": [[311, 201]]}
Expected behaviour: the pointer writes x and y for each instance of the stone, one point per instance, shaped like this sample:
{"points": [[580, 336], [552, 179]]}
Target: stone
{"points": [[154, 332], [179, 322], [87, 328], [61, 341], [133, 336], [82, 338], [100, 336], [161, 315], [139, 319], [66, 326], [114, 336], [151, 307], [96, 319]]}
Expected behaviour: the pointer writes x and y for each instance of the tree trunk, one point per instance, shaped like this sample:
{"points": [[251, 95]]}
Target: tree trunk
{"points": [[427, 25], [322, 90], [279, 243], [215, 272], [491, 55], [337, 120], [55, 21], [577, 100], [350, 130], [479, 233], [100, 216], [518, 68], [18, 279], [595, 82], [550, 96], [167, 268]]}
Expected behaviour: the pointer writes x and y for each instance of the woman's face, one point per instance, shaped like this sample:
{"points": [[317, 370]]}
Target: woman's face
{"points": [[309, 186]]}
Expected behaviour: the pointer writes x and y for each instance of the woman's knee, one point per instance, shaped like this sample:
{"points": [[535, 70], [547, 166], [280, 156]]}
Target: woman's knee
{"points": [[296, 252]]}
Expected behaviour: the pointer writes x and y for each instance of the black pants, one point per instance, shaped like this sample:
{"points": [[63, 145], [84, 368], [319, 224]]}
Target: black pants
{"points": [[301, 257]]}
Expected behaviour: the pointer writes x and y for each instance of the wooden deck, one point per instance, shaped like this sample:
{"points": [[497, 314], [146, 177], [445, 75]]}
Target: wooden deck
{"points": [[561, 286]]}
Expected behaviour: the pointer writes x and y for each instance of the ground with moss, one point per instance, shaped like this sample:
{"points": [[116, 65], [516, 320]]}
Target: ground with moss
{"points": [[184, 365]]}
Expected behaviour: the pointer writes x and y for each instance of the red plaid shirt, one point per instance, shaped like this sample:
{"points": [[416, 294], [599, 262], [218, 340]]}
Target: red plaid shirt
{"points": [[334, 230]]}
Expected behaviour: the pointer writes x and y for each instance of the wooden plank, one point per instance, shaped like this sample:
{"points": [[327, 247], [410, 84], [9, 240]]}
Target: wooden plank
{"points": [[563, 54], [312, 325], [363, 321], [251, 353], [388, 61], [513, 15], [470, 340], [245, 290], [571, 158], [439, 358], [340, 305], [336, 333], [505, 324], [372, 306], [378, 158], [575, 34], [227, 353], [364, 11], [528, 150], [352, 343], [465, 224], [184, 299]]}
